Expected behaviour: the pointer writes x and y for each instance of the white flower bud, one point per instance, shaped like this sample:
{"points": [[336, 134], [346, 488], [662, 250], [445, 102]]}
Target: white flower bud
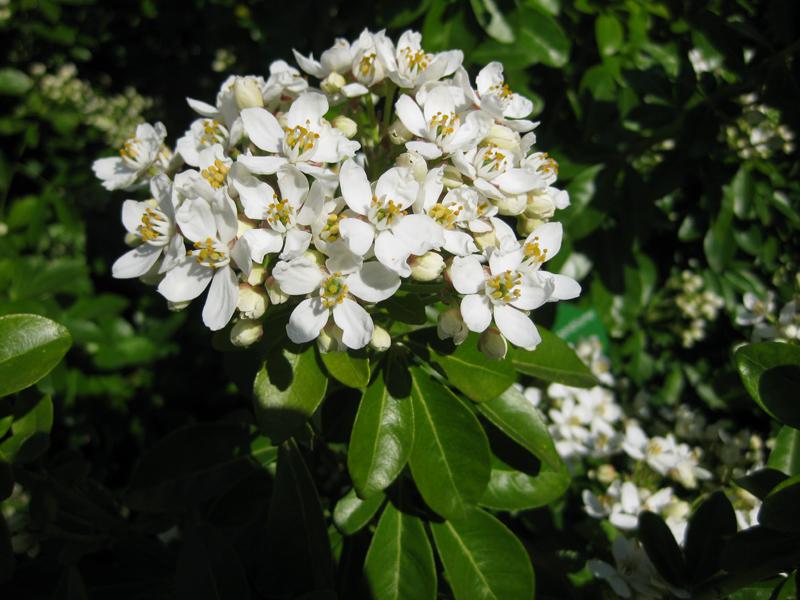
{"points": [[177, 306], [399, 133], [274, 291], [246, 332], [511, 205], [451, 177], [381, 340], [486, 239], [4, 229], [332, 83], [525, 225], [330, 339], [540, 205], [451, 325], [247, 93], [346, 125], [606, 474], [315, 256], [493, 345], [252, 302], [131, 240], [503, 137], [426, 267], [415, 163], [257, 275]]}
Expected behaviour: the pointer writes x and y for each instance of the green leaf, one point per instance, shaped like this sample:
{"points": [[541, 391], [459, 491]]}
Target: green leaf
{"points": [[609, 34], [520, 420], [661, 548], [754, 359], [192, 465], [473, 374], [32, 424], [785, 455], [346, 368], [287, 390], [712, 522], [483, 559], [381, 439], [351, 513], [14, 82], [553, 360], [297, 556], [399, 563], [778, 390], [208, 567], [510, 489], [542, 37], [32, 346], [450, 457], [491, 19], [761, 482], [779, 510]]}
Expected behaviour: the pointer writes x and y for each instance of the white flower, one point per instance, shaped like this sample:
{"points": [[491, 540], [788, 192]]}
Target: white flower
{"points": [[152, 222], [367, 67], [202, 134], [439, 123], [541, 245], [280, 214], [495, 98], [209, 262], [283, 85], [409, 66], [333, 64], [307, 140], [332, 294], [140, 157], [396, 234]]}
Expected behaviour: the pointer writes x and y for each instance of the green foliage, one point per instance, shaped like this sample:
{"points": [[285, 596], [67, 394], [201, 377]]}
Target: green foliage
{"points": [[32, 347]]}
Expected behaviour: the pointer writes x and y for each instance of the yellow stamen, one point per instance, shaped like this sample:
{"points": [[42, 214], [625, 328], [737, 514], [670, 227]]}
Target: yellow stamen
{"points": [[216, 174]]}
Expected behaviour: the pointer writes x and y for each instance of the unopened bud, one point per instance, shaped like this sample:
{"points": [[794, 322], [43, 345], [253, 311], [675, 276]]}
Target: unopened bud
{"points": [[606, 474], [346, 125], [426, 267], [274, 291], [485, 239], [177, 306], [539, 205], [451, 325], [415, 163], [503, 137], [451, 177], [247, 93], [332, 83], [257, 275], [316, 257], [381, 340], [330, 339], [526, 225], [399, 133], [493, 345], [246, 332], [252, 302], [511, 205]]}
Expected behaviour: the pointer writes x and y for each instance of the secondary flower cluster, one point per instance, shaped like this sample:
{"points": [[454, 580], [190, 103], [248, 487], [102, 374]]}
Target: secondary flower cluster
{"points": [[280, 190]]}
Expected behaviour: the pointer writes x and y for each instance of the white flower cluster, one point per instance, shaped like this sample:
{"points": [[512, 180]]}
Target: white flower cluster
{"points": [[759, 132], [767, 322], [275, 200], [699, 307]]}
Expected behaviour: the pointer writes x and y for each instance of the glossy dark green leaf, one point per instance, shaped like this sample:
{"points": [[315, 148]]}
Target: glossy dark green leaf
{"points": [[287, 390], [661, 548], [541, 35], [553, 360], [608, 33], [785, 455], [761, 482], [780, 508], [399, 563], [346, 368], [754, 359], [510, 489], [778, 388], [760, 546], [31, 347], [208, 567], [351, 513], [450, 457], [520, 420], [711, 523], [381, 439], [483, 559], [298, 554], [479, 378], [192, 465], [491, 18]]}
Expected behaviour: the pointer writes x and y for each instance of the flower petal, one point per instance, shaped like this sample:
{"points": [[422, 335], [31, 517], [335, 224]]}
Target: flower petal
{"points": [[476, 312], [419, 233], [223, 295], [500, 262], [355, 187], [467, 274], [262, 165], [355, 323], [136, 262], [307, 320], [293, 185], [186, 281], [298, 276], [196, 220], [309, 106], [548, 237], [263, 129], [373, 282], [410, 115], [392, 252], [358, 234], [296, 243], [428, 150], [516, 327], [132, 211]]}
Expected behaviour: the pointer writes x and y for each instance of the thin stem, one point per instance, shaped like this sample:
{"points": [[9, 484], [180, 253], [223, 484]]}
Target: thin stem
{"points": [[388, 105]]}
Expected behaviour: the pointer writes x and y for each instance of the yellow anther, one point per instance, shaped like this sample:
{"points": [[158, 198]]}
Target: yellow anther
{"points": [[330, 232], [216, 174], [505, 286], [549, 165], [333, 290], [280, 211], [366, 62], [502, 90], [150, 222], [445, 215], [444, 124], [208, 253], [417, 60], [534, 252], [129, 150], [212, 132], [300, 138], [387, 211]]}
